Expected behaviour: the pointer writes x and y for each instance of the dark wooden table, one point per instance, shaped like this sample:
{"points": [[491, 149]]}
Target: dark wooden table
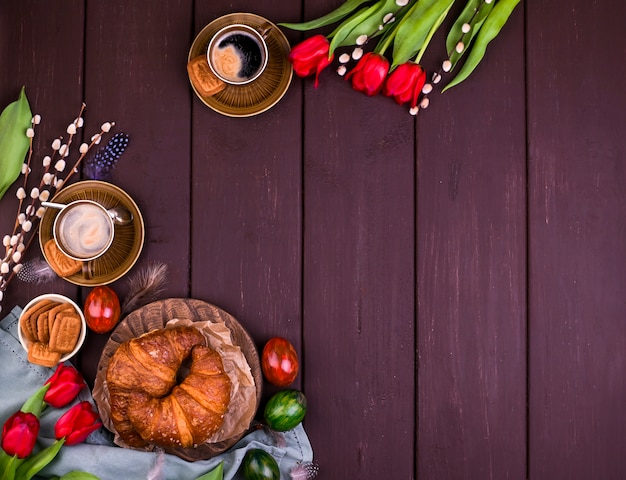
{"points": [[455, 284]]}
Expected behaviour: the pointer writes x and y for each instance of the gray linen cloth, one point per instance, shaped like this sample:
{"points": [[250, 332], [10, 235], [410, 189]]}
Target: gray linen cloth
{"points": [[19, 379]]}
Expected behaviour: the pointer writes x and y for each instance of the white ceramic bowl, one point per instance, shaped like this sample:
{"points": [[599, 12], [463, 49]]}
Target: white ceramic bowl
{"points": [[61, 299]]}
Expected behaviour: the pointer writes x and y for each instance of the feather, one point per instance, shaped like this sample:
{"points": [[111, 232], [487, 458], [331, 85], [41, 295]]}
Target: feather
{"points": [[100, 166], [279, 438], [145, 286], [156, 472], [304, 471], [36, 271]]}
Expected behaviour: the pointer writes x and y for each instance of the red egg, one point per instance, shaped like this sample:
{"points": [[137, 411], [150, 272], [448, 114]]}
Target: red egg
{"points": [[102, 309], [279, 362]]}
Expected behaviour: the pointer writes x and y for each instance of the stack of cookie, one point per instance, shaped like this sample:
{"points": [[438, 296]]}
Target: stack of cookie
{"points": [[52, 329]]}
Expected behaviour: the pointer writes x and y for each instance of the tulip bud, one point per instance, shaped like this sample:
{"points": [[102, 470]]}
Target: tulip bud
{"points": [[368, 76], [311, 56], [77, 423], [405, 83], [65, 384], [19, 434]]}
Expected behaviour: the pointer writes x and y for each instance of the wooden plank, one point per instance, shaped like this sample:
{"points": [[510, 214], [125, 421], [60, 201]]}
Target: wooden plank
{"points": [[246, 191], [577, 241], [358, 281], [471, 284], [135, 72], [53, 80]]}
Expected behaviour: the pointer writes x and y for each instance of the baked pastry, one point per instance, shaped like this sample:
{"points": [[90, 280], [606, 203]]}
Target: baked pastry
{"points": [[203, 78], [151, 404]]}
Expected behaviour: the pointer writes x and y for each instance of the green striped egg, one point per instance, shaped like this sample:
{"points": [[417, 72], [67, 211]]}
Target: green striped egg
{"points": [[285, 410], [260, 465]]}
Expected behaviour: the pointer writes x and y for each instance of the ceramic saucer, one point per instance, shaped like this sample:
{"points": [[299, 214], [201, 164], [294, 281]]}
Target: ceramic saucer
{"points": [[128, 241], [263, 93]]}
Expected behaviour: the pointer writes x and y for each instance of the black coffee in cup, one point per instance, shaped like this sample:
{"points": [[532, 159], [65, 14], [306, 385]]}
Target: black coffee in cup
{"points": [[238, 54]]}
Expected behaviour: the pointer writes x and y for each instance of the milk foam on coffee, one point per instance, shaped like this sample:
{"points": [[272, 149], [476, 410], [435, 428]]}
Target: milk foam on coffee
{"points": [[237, 57], [84, 230]]}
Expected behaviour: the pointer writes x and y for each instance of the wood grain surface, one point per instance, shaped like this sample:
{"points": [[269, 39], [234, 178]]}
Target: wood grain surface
{"points": [[577, 261], [454, 283]]}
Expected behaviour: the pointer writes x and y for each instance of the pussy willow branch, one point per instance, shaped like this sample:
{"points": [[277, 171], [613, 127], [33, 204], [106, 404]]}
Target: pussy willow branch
{"points": [[21, 238]]}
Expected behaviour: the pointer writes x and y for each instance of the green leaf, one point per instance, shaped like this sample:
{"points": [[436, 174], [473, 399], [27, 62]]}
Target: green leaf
{"points": [[8, 465], [33, 464], [465, 16], [14, 121], [77, 475], [4, 460], [343, 11], [389, 33], [432, 31], [415, 28], [490, 30], [342, 32], [216, 474], [366, 22], [35, 403], [474, 14]]}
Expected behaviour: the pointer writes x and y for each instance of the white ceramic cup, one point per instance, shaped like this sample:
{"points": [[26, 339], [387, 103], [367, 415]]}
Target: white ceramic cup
{"points": [[83, 230], [238, 54]]}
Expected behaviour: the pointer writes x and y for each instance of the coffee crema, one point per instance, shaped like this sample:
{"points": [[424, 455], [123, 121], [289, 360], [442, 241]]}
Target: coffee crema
{"points": [[237, 57], [84, 231]]}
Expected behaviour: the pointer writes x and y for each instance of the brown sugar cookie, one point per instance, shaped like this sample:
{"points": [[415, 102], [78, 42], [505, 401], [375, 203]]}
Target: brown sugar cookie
{"points": [[28, 321], [27, 329], [203, 78], [63, 265], [31, 323], [43, 331], [65, 332], [52, 313], [40, 354]]}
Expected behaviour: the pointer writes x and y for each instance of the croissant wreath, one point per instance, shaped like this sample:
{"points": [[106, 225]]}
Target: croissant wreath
{"points": [[152, 405]]}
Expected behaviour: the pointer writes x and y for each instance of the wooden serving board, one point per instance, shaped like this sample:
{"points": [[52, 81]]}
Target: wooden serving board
{"points": [[155, 316]]}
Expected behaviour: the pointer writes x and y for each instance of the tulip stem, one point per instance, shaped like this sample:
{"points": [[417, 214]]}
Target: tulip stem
{"points": [[432, 32], [384, 44]]}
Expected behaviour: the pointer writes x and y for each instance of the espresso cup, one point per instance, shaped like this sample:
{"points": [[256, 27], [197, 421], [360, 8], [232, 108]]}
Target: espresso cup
{"points": [[237, 54], [83, 230]]}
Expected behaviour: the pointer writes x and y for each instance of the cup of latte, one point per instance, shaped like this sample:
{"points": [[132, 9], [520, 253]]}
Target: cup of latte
{"points": [[83, 230], [237, 54]]}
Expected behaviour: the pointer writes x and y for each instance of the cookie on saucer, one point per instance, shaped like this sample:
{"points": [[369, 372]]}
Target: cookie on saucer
{"points": [[63, 265]]}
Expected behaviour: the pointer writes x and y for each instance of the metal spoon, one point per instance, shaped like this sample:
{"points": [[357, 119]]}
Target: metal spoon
{"points": [[119, 214]]}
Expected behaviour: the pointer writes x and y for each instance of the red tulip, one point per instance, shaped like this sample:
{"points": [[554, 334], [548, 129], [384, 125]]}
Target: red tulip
{"points": [[369, 74], [311, 56], [64, 386], [405, 83], [77, 423], [19, 434]]}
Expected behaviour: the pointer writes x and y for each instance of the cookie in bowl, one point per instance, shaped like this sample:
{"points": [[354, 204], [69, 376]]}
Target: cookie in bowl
{"points": [[52, 329]]}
